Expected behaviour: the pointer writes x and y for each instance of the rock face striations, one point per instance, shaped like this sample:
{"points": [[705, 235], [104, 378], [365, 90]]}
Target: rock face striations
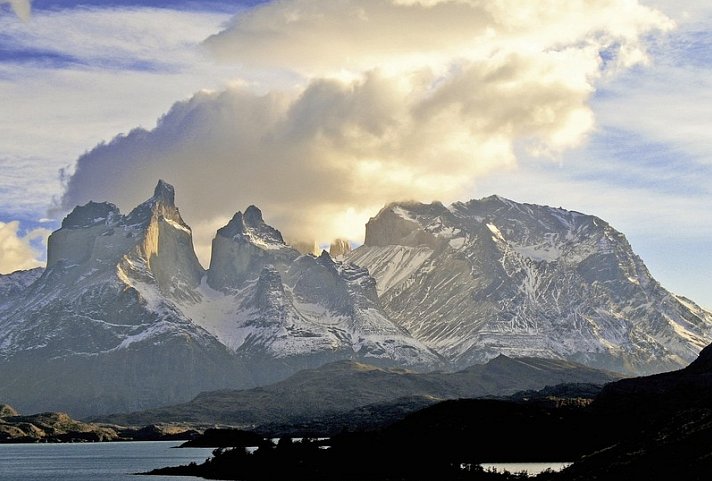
{"points": [[493, 276], [281, 311], [125, 318]]}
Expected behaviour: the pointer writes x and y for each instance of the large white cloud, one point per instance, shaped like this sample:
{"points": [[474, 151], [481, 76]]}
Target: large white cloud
{"points": [[391, 100], [324, 36], [16, 250]]}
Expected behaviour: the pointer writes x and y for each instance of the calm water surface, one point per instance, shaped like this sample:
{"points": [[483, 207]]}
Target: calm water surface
{"points": [[529, 468], [93, 461]]}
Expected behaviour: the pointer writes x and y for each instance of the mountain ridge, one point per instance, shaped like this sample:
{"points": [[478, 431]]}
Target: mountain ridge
{"points": [[526, 279], [125, 299], [346, 385]]}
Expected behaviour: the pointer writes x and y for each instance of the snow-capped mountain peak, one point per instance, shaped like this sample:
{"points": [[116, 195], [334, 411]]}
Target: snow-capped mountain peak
{"points": [[91, 214], [243, 247], [160, 206], [493, 276], [165, 193], [251, 228]]}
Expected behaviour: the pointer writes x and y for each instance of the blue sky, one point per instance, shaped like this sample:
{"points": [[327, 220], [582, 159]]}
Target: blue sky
{"points": [[318, 113]]}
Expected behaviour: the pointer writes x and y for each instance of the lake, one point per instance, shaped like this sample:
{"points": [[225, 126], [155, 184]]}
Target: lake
{"points": [[529, 468], [94, 461], [116, 461]]}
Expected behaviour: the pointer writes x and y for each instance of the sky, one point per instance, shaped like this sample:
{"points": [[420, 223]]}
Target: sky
{"points": [[322, 111]]}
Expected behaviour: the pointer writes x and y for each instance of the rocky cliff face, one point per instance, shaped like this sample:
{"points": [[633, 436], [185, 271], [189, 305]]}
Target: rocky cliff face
{"points": [[243, 247], [492, 276], [99, 331]]}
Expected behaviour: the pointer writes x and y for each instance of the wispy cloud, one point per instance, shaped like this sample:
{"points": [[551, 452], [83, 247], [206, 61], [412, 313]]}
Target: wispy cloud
{"points": [[227, 6], [669, 104], [100, 38]]}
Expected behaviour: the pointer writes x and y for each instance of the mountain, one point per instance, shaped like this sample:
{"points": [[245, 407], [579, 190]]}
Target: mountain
{"points": [[644, 399], [664, 424], [492, 276], [99, 330], [335, 388], [281, 311], [124, 317]]}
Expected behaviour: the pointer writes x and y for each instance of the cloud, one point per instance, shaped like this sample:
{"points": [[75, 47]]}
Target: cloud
{"points": [[390, 99], [642, 101], [17, 251], [22, 8], [320, 37], [70, 79]]}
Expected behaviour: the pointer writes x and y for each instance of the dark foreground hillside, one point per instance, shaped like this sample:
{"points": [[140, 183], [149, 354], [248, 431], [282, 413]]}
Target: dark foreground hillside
{"points": [[664, 424], [652, 428], [445, 441]]}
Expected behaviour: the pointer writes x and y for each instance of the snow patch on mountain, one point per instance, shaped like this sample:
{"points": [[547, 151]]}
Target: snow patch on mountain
{"points": [[219, 314], [390, 265]]}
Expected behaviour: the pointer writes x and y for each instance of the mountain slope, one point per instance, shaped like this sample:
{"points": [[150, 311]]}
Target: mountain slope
{"points": [[664, 424], [13, 284], [345, 385], [492, 276]]}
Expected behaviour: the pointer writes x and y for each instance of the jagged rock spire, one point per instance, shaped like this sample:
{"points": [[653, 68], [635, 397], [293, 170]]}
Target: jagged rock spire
{"points": [[243, 247], [161, 204], [164, 192], [92, 213], [339, 248], [250, 227], [253, 216], [151, 242]]}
